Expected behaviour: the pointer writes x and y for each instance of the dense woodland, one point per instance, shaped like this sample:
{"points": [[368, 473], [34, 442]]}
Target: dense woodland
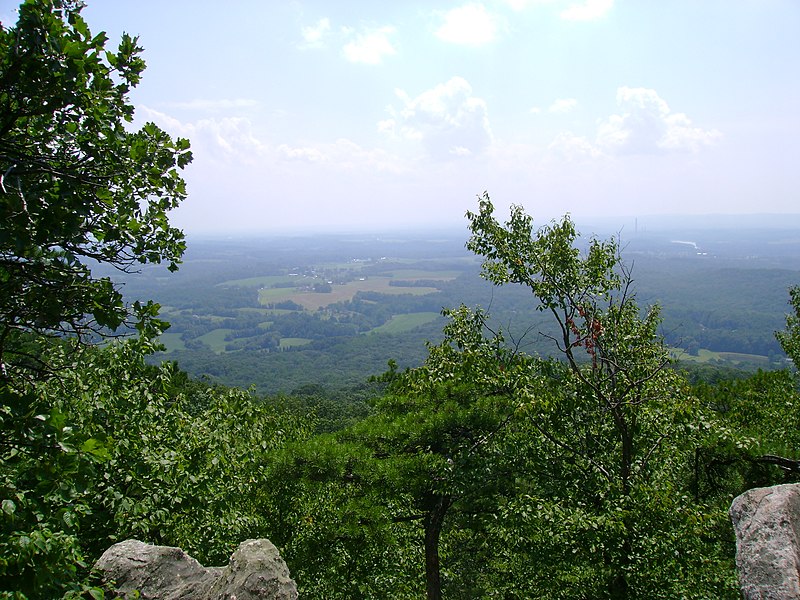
{"points": [[584, 465]]}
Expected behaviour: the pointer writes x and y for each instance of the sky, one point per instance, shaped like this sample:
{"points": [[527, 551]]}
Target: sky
{"points": [[312, 115]]}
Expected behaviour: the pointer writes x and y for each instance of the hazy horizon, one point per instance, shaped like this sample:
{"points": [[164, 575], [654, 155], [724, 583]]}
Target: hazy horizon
{"points": [[640, 224]]}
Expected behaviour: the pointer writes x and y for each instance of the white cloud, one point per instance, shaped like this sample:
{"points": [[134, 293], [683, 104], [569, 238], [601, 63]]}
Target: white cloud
{"points": [[212, 105], [342, 155], [646, 125], [313, 35], [303, 154], [225, 139], [518, 5], [470, 25], [447, 119], [571, 147], [563, 105], [230, 143], [370, 47], [587, 10]]}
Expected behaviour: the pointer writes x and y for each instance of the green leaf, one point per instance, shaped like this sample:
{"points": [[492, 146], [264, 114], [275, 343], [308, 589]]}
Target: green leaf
{"points": [[9, 507]]}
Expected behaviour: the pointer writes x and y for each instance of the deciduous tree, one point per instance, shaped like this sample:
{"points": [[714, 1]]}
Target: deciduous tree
{"points": [[439, 426], [77, 183], [789, 338], [617, 426]]}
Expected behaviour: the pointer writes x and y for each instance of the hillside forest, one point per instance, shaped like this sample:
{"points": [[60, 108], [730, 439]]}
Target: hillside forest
{"points": [[519, 412]]}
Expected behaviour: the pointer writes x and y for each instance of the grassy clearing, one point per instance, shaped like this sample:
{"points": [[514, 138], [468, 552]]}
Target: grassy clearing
{"points": [[266, 312], [264, 281], [748, 358], [313, 300], [421, 274], [403, 323], [216, 339], [293, 342], [705, 356], [268, 295], [172, 341]]}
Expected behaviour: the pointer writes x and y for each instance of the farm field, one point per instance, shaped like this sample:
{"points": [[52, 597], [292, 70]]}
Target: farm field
{"points": [[215, 339], [340, 283], [172, 341], [404, 323], [733, 358], [293, 342], [286, 313], [312, 300]]}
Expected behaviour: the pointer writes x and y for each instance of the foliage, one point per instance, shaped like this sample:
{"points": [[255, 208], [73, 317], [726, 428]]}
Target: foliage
{"points": [[131, 450], [333, 520], [77, 185], [790, 337], [77, 188], [45, 470], [617, 427], [755, 439], [184, 462], [439, 426], [365, 508]]}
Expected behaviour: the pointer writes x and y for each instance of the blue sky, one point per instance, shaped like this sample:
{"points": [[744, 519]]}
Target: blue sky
{"points": [[312, 115]]}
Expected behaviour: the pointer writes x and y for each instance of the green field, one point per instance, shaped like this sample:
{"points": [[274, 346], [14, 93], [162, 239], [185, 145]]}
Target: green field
{"points": [[265, 281], [290, 342], [172, 341], [262, 311], [313, 301], [737, 357], [216, 339], [422, 274], [404, 323], [706, 356]]}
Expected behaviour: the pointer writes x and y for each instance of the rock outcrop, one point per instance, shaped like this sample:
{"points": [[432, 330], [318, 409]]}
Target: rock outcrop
{"points": [[767, 524], [256, 572]]}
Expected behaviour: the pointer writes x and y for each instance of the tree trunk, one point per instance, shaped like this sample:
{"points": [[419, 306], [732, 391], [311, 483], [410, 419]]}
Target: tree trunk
{"points": [[433, 523]]}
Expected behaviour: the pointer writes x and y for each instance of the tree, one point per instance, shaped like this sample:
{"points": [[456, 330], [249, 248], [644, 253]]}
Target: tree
{"points": [[789, 338], [439, 427], [759, 440], [128, 449], [617, 426], [77, 186], [332, 519]]}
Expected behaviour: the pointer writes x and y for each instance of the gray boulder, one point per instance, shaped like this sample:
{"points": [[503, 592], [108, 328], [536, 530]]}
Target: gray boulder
{"points": [[767, 524], [256, 572]]}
